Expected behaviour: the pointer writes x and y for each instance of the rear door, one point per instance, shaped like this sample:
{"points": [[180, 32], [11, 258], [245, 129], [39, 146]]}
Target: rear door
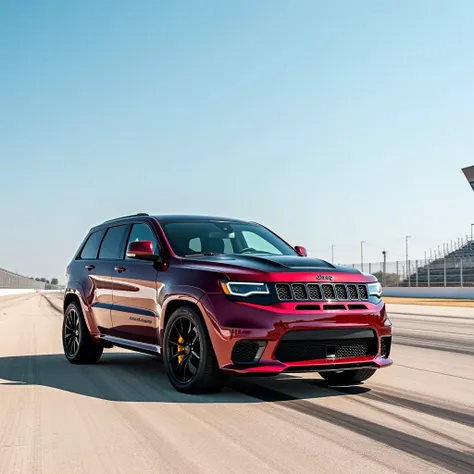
{"points": [[134, 311], [96, 281]]}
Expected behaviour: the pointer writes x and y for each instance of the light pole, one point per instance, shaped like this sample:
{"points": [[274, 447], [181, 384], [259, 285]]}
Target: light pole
{"points": [[362, 255], [406, 257], [332, 252], [384, 270], [472, 225]]}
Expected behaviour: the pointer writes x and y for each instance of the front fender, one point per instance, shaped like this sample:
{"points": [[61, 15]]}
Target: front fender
{"points": [[177, 293]]}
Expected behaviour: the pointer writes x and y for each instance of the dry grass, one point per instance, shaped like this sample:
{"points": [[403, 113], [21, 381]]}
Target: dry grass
{"points": [[430, 301]]}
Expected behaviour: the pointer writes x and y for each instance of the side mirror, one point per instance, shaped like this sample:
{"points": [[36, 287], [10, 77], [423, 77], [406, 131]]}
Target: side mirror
{"points": [[302, 252], [142, 250]]}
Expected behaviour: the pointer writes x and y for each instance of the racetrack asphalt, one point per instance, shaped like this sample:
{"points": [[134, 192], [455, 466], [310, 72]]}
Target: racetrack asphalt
{"points": [[122, 415]]}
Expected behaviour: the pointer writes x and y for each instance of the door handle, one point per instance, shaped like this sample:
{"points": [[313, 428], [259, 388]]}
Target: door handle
{"points": [[90, 267], [120, 269]]}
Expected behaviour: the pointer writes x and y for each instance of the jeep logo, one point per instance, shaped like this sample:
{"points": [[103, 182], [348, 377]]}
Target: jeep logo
{"points": [[324, 277]]}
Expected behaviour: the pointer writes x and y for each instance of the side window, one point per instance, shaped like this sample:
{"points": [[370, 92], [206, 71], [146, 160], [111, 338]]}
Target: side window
{"points": [[143, 232], [111, 247], [258, 243], [90, 249]]}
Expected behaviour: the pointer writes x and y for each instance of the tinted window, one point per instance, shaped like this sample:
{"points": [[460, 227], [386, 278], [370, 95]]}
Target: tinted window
{"points": [[217, 237], [255, 242], [111, 247], [143, 232], [89, 250]]}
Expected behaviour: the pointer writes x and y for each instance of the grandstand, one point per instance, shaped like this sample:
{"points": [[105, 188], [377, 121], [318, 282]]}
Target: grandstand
{"points": [[452, 268]]}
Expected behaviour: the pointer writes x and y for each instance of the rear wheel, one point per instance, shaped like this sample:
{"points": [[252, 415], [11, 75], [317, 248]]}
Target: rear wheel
{"points": [[79, 348], [347, 377], [188, 355]]}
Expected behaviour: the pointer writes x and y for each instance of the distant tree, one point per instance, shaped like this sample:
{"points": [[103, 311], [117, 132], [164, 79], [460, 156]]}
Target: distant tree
{"points": [[54, 281], [44, 280], [389, 279]]}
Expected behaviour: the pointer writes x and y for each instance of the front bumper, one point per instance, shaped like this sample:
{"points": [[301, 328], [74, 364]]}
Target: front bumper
{"points": [[263, 340]]}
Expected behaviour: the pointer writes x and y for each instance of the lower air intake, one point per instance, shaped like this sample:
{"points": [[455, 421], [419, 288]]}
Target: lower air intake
{"points": [[245, 352], [385, 346], [299, 346]]}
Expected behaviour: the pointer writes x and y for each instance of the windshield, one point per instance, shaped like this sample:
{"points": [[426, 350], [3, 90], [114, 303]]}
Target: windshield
{"points": [[215, 237]]}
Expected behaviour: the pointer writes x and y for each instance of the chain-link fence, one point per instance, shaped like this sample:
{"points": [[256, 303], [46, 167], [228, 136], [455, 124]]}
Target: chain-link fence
{"points": [[451, 264], [13, 280], [445, 271]]}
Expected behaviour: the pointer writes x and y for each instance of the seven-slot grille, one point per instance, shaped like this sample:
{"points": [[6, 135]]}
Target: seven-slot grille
{"points": [[321, 292]]}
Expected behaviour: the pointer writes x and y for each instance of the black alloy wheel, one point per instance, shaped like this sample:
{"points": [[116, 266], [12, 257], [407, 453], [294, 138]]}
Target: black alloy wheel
{"points": [[184, 349], [72, 332], [79, 348], [188, 355]]}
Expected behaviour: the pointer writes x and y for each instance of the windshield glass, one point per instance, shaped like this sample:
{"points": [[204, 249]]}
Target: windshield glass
{"points": [[215, 237]]}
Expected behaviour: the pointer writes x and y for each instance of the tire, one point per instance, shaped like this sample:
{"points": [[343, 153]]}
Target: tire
{"points": [[79, 348], [347, 377], [188, 355]]}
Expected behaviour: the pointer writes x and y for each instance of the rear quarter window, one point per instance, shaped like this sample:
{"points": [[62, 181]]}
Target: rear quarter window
{"points": [[91, 247], [112, 245]]}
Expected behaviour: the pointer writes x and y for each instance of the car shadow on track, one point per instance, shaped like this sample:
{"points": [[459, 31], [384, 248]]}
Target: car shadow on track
{"points": [[128, 377]]}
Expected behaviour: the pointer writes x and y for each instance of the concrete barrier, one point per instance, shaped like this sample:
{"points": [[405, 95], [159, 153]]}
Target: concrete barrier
{"points": [[14, 291], [455, 292]]}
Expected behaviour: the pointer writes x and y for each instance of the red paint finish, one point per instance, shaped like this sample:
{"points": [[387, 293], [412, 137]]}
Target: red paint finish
{"points": [[131, 295]]}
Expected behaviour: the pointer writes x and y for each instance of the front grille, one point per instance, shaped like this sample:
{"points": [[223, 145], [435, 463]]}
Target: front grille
{"points": [[352, 290], [299, 290], [283, 292], [328, 292], [298, 346], [315, 292], [341, 292], [385, 346], [362, 292], [320, 292], [244, 352]]}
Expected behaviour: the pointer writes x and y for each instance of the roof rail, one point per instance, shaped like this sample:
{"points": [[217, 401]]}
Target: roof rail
{"points": [[124, 217]]}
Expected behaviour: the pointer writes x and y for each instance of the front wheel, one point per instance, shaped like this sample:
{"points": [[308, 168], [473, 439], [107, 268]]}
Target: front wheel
{"points": [[347, 377], [189, 358], [79, 348]]}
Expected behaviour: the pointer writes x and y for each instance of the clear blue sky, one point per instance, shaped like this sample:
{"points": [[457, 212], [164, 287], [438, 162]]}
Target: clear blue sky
{"points": [[329, 123]]}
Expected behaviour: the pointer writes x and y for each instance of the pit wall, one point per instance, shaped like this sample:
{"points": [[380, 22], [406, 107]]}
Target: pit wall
{"points": [[455, 292]]}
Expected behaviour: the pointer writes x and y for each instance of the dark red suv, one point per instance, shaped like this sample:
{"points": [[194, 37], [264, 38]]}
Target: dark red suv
{"points": [[216, 297]]}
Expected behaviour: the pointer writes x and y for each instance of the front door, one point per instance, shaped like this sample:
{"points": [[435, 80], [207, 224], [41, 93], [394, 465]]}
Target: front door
{"points": [[134, 309]]}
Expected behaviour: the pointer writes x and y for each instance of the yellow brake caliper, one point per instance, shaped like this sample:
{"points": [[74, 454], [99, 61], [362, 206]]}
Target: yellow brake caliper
{"points": [[180, 349]]}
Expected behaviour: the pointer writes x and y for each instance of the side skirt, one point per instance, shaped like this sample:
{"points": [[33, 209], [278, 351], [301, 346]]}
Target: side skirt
{"points": [[132, 345]]}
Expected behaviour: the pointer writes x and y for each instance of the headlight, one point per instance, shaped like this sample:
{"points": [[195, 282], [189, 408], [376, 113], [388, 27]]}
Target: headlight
{"points": [[375, 289], [239, 288]]}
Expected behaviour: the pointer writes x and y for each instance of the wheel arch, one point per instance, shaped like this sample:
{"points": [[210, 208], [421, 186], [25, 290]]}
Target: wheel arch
{"points": [[74, 294], [179, 302]]}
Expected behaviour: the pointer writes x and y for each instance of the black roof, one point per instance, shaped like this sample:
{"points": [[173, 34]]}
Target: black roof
{"points": [[167, 218]]}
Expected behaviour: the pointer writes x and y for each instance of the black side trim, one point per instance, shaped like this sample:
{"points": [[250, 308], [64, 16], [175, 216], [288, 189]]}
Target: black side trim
{"points": [[126, 309]]}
